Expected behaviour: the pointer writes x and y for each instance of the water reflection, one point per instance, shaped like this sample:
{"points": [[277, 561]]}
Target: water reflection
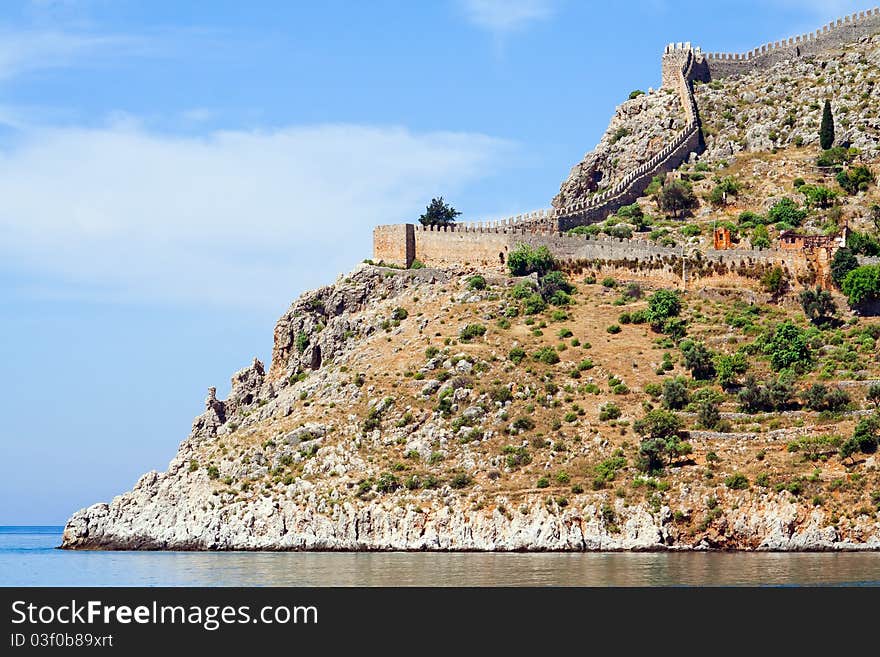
{"points": [[30, 560]]}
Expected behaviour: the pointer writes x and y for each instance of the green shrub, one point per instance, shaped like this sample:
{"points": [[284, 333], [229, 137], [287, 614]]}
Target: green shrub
{"points": [[835, 157], [471, 331], [662, 305], [855, 179], [543, 482], [786, 211], [460, 480], [862, 243], [534, 304], [501, 394], [609, 411], [817, 196], [737, 481], [516, 355], [516, 456], [774, 281], [546, 355], [862, 284], [302, 341], [675, 393], [525, 260], [387, 483], [476, 282], [609, 282], [613, 329], [844, 262], [676, 198], [698, 359], [787, 347], [524, 423], [399, 314]]}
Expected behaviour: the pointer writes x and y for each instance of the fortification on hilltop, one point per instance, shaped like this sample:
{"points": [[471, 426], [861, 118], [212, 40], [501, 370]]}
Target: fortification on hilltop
{"points": [[488, 243]]}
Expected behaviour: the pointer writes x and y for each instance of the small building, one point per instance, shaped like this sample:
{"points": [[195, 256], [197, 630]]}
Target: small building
{"points": [[794, 241], [722, 239]]}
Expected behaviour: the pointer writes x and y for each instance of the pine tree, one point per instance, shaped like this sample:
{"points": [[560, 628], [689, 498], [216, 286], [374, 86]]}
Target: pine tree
{"points": [[438, 213], [826, 131]]}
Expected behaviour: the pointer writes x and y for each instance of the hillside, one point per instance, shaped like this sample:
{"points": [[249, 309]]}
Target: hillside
{"points": [[590, 405], [410, 437]]}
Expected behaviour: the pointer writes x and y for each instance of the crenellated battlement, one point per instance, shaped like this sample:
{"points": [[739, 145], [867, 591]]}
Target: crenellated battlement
{"points": [[724, 64], [864, 22]]}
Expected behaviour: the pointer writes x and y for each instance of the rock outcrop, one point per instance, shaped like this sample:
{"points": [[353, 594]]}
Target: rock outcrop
{"points": [[300, 458], [640, 129]]}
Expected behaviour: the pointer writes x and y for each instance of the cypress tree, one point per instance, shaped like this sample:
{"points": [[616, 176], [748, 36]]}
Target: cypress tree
{"points": [[826, 131]]}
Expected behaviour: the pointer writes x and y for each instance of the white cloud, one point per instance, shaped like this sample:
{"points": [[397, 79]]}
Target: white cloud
{"points": [[26, 51], [506, 16], [234, 218]]}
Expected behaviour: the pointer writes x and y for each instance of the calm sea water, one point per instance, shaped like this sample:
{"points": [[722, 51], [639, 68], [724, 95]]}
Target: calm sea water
{"points": [[28, 558]]}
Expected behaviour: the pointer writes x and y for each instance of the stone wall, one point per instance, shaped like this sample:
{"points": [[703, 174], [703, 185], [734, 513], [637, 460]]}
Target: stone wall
{"points": [[834, 35], [442, 247], [489, 249], [394, 244]]}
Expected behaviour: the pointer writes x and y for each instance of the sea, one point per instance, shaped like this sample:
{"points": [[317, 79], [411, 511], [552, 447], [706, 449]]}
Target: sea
{"points": [[29, 557]]}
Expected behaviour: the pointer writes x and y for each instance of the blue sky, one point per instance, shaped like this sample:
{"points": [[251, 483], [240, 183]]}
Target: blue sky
{"points": [[173, 174]]}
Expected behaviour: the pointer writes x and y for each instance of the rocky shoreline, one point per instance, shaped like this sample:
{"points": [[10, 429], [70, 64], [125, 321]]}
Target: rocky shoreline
{"points": [[159, 514]]}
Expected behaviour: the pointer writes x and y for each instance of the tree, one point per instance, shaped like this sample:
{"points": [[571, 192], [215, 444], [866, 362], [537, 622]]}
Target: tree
{"points": [[862, 244], [865, 435], [774, 281], [844, 262], [760, 237], [525, 260], [786, 211], [662, 305], [725, 188], [661, 441], [753, 396], [854, 180], [787, 347], [862, 284], [780, 390], [728, 366], [818, 305], [708, 403], [552, 283], [818, 196], [677, 198], [438, 213], [826, 130], [675, 393], [698, 359]]}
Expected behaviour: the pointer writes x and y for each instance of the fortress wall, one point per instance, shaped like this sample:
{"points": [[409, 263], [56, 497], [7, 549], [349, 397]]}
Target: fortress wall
{"points": [[394, 244], [834, 35], [489, 249], [441, 248], [666, 161]]}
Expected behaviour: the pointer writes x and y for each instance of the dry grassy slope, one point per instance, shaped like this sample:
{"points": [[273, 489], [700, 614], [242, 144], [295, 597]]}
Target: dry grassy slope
{"points": [[567, 441]]}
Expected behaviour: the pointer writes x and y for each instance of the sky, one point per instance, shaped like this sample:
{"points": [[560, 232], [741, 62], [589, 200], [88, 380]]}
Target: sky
{"points": [[174, 174]]}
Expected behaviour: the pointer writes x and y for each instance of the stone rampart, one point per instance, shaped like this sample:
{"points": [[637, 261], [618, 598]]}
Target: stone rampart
{"points": [[833, 35]]}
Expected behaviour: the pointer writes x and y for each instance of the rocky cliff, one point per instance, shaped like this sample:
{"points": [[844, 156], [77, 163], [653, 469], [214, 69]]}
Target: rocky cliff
{"points": [[385, 423], [640, 128]]}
